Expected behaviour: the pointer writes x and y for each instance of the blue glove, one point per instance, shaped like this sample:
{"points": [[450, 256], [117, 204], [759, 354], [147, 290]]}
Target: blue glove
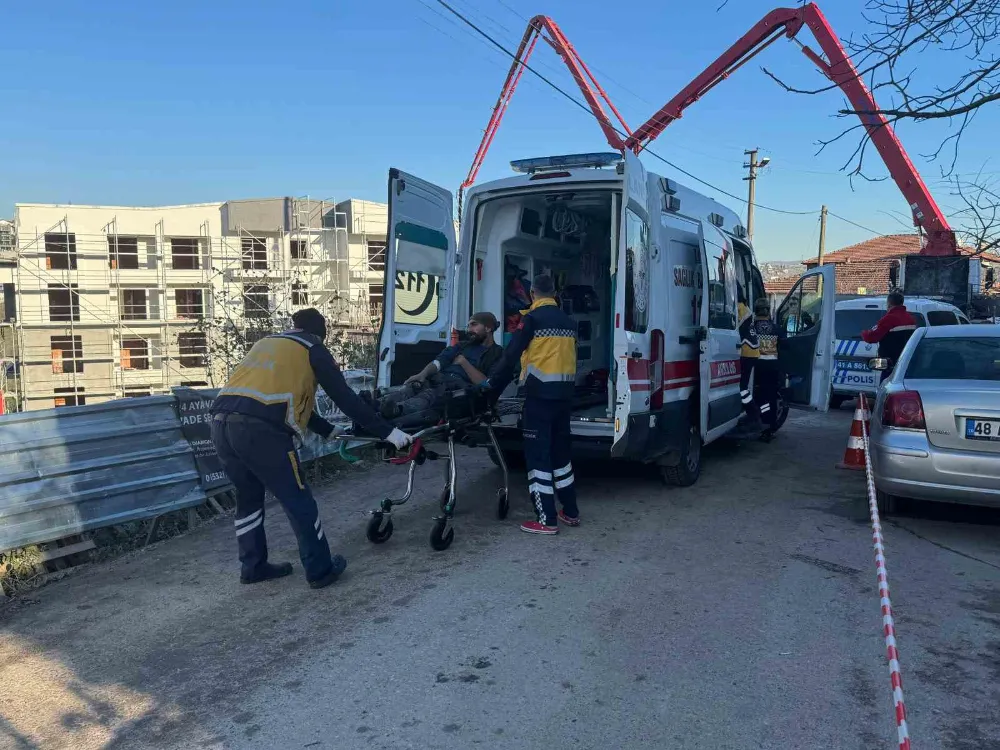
{"points": [[485, 386]]}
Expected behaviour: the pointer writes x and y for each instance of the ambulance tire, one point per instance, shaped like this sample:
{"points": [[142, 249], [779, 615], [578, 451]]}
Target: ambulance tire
{"points": [[782, 413], [688, 468]]}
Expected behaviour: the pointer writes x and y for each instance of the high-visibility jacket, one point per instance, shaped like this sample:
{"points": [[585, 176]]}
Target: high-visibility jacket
{"points": [[276, 382], [545, 344], [749, 344], [768, 334]]}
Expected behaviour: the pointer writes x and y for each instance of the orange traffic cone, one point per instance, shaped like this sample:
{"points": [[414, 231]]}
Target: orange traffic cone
{"points": [[854, 454]]}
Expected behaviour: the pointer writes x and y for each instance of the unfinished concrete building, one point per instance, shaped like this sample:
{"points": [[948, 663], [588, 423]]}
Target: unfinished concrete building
{"points": [[114, 301]]}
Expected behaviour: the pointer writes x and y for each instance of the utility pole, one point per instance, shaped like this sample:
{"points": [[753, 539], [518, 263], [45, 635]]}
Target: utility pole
{"points": [[753, 166], [822, 234]]}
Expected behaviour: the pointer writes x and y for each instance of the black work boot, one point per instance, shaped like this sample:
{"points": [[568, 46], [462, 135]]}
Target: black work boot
{"points": [[268, 572], [338, 566]]}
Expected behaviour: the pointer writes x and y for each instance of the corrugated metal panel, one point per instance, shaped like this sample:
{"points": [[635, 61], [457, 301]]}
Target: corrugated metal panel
{"points": [[64, 471], [69, 470]]}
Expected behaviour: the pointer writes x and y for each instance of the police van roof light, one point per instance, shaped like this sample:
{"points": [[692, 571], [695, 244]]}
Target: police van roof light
{"points": [[568, 161]]}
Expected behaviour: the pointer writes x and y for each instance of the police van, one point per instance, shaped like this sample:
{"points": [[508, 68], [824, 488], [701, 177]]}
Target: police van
{"points": [[653, 273], [851, 374]]}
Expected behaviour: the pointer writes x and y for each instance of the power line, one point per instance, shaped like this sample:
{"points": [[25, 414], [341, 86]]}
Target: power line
{"points": [[854, 223], [586, 109]]}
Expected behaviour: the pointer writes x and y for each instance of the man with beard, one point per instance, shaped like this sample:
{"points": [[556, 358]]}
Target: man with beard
{"points": [[455, 368]]}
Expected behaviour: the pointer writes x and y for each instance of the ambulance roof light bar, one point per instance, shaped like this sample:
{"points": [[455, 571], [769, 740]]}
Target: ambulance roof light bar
{"points": [[568, 161]]}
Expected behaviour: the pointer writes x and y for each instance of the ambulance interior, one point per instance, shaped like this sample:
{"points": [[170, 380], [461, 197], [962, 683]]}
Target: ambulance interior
{"points": [[568, 235]]}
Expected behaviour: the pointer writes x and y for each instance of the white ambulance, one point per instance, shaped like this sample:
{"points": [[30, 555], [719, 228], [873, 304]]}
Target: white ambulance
{"points": [[651, 270], [851, 374]]}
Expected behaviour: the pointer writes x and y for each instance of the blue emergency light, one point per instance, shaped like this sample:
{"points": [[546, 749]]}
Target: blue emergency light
{"points": [[569, 161]]}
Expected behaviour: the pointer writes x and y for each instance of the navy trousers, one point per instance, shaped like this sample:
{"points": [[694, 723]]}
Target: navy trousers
{"points": [[545, 426], [257, 456], [747, 365], [768, 379]]}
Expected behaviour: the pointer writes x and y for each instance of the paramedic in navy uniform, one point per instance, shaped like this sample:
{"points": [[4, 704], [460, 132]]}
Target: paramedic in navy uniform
{"points": [[268, 401], [545, 344]]}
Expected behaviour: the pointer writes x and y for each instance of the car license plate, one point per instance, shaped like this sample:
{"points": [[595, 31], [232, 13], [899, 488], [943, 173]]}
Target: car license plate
{"points": [[982, 429], [853, 364]]}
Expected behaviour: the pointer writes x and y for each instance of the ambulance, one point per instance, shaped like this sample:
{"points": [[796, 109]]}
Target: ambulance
{"points": [[651, 270]]}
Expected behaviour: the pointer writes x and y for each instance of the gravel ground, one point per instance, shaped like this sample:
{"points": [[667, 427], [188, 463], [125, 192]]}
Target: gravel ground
{"points": [[740, 613]]}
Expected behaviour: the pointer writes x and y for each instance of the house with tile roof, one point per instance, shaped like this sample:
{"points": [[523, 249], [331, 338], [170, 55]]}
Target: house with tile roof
{"points": [[867, 268]]}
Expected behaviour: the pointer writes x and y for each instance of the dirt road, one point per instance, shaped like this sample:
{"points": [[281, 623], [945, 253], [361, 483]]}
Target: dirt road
{"points": [[741, 613]]}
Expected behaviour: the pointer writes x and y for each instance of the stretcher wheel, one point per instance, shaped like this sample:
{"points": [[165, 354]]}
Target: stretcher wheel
{"points": [[503, 504], [440, 539], [376, 532], [443, 500]]}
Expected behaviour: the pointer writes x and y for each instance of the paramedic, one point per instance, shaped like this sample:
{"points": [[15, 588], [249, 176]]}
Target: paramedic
{"points": [[545, 345], [266, 402], [749, 352], [454, 368], [891, 332], [767, 370]]}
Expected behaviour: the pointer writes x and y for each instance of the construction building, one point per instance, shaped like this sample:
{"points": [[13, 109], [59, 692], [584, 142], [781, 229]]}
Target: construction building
{"points": [[115, 301]]}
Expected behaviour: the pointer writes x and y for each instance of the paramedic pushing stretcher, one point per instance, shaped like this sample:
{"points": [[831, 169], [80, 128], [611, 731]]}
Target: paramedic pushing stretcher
{"points": [[892, 332], [545, 344], [267, 401], [455, 368]]}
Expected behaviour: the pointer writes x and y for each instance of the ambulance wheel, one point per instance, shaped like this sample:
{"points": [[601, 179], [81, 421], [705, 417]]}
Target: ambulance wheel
{"points": [[440, 538], [782, 415], [688, 468], [503, 504], [376, 532]]}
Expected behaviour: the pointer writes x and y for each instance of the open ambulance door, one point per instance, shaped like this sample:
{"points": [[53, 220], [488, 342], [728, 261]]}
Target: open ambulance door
{"points": [[806, 353], [419, 267], [631, 316]]}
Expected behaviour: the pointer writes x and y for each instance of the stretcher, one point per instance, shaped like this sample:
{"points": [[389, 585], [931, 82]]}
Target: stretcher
{"points": [[465, 417]]}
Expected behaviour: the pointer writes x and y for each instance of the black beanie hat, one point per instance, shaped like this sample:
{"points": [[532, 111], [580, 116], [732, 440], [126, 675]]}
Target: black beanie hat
{"points": [[311, 321]]}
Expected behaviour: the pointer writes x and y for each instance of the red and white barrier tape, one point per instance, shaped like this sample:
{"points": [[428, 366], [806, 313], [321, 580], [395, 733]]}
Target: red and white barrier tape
{"points": [[888, 625]]}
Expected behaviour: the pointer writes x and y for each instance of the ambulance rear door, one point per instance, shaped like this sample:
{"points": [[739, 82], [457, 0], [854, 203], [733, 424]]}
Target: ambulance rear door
{"points": [[631, 318], [419, 272]]}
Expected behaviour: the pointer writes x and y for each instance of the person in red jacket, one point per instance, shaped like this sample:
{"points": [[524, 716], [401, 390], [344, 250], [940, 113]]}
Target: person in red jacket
{"points": [[893, 330]]}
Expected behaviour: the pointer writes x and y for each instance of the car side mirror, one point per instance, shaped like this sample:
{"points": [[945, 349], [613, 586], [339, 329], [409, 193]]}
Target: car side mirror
{"points": [[879, 364]]}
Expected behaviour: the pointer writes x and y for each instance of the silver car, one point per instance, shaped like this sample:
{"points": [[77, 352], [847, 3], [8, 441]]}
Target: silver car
{"points": [[935, 426]]}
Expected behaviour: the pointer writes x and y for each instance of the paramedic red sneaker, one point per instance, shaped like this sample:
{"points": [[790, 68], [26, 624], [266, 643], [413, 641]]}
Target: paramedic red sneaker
{"points": [[534, 527], [569, 520]]}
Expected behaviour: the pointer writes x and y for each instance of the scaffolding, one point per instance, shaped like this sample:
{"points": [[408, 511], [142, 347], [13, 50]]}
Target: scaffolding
{"points": [[130, 310]]}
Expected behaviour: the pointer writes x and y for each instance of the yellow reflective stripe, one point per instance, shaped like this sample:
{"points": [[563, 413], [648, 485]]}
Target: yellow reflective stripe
{"points": [[295, 469]]}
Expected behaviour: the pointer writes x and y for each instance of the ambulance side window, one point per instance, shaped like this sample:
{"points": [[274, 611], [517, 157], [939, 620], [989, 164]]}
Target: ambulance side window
{"points": [[721, 287], [636, 273]]}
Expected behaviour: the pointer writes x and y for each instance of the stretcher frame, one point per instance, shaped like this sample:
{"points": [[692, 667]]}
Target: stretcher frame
{"points": [[449, 432]]}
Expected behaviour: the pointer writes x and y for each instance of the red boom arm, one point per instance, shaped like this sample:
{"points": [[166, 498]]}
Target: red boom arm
{"points": [[577, 67], [781, 22], [840, 70]]}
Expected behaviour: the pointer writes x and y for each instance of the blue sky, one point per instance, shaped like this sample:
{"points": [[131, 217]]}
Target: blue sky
{"points": [[155, 103]]}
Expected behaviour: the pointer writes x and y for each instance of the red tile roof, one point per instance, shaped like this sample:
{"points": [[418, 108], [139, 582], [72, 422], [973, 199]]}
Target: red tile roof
{"points": [[864, 268], [888, 246], [780, 285]]}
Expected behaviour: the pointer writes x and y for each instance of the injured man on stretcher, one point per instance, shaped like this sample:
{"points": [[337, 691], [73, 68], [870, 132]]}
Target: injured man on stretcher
{"points": [[456, 368]]}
